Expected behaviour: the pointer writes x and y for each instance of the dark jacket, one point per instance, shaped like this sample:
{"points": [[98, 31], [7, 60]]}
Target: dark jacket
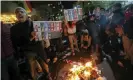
{"points": [[21, 34], [93, 32], [118, 17], [128, 28], [6, 43], [113, 47]]}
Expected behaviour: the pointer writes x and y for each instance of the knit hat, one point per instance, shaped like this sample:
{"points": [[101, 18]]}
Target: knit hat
{"points": [[20, 8]]}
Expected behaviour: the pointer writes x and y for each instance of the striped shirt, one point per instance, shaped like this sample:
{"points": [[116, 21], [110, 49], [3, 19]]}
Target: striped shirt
{"points": [[6, 44]]}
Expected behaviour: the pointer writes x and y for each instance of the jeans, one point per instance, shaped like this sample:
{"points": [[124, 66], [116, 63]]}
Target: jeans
{"points": [[9, 69]]}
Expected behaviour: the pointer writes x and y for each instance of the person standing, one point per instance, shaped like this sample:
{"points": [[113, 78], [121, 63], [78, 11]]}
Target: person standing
{"points": [[9, 68], [71, 30], [23, 37], [118, 15], [94, 33]]}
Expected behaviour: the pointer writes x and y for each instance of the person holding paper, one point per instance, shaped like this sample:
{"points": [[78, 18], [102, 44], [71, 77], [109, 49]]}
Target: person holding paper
{"points": [[71, 30], [23, 37]]}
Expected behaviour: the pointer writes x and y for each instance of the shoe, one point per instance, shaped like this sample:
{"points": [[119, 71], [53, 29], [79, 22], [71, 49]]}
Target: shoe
{"points": [[77, 50], [73, 53]]}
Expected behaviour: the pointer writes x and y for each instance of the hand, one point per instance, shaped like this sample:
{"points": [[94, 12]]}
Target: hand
{"points": [[48, 60], [85, 47], [120, 64], [33, 34], [122, 53]]}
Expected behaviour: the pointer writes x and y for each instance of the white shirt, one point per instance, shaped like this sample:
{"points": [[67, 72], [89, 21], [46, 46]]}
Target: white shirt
{"points": [[71, 30]]}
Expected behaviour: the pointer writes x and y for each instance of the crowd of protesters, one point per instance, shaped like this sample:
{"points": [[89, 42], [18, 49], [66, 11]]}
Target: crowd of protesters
{"points": [[111, 32]]}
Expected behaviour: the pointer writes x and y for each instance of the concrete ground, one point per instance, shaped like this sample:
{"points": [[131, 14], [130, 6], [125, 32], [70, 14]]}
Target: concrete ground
{"points": [[61, 66]]}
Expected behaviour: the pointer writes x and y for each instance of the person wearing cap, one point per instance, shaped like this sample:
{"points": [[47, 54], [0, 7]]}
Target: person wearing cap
{"points": [[85, 40], [23, 37]]}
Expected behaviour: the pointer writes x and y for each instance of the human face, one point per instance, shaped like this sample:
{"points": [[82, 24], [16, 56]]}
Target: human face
{"points": [[98, 9], [119, 30], [92, 18], [21, 15]]}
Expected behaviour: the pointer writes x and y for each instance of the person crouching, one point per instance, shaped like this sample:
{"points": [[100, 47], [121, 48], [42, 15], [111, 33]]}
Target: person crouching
{"points": [[85, 40]]}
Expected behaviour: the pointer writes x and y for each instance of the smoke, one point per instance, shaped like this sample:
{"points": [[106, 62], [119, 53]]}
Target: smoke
{"points": [[8, 7]]}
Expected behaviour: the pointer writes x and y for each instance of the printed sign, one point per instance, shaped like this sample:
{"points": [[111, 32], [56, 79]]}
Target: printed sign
{"points": [[47, 29], [73, 14]]}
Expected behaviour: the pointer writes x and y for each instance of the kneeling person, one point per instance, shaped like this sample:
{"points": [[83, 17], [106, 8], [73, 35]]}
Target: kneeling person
{"points": [[85, 40]]}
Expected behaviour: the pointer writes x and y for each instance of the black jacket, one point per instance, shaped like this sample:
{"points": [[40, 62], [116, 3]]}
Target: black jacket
{"points": [[93, 32], [118, 17], [128, 28], [113, 47], [21, 34]]}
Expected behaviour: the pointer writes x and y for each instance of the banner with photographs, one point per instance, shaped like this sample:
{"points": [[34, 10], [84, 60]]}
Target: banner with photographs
{"points": [[47, 29], [73, 14]]}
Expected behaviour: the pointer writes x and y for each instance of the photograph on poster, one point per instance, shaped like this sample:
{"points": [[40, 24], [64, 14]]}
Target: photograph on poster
{"points": [[73, 14], [45, 29]]}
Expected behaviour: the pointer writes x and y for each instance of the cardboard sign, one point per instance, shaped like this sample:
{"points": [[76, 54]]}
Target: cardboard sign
{"points": [[47, 29], [73, 14]]}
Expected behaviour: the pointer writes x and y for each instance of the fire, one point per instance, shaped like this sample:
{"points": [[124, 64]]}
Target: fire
{"points": [[80, 71], [87, 73], [88, 64], [76, 77]]}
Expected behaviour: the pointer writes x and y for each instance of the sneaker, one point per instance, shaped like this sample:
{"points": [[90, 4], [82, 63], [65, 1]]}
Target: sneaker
{"points": [[73, 53]]}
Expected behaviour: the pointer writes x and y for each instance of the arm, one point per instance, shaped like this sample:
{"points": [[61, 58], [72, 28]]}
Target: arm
{"points": [[127, 44], [16, 54], [32, 32], [74, 22], [66, 24]]}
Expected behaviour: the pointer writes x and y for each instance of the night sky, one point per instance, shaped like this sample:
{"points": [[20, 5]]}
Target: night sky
{"points": [[68, 4], [34, 4]]}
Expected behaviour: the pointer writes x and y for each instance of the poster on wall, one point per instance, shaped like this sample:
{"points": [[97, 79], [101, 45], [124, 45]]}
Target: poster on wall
{"points": [[47, 29], [73, 14]]}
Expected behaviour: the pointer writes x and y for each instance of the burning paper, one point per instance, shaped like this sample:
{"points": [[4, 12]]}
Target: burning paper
{"points": [[82, 71]]}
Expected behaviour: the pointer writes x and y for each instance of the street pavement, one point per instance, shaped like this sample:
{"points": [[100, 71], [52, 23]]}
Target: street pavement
{"points": [[61, 66]]}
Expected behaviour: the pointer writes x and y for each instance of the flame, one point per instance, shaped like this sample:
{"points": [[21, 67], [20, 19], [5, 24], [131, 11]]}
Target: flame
{"points": [[75, 77], [88, 64], [87, 73], [79, 70]]}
